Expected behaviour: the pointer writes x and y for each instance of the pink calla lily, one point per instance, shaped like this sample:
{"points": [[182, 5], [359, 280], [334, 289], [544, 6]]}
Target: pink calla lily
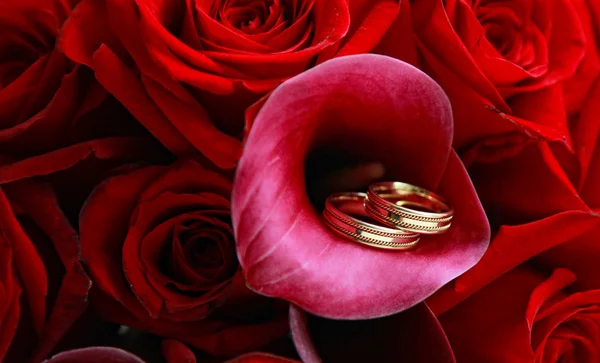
{"points": [[362, 108]]}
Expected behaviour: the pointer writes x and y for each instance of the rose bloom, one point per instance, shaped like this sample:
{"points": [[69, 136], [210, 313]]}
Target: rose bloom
{"points": [[173, 236], [47, 102], [503, 65], [43, 286], [158, 244], [526, 316], [555, 222], [188, 69]]}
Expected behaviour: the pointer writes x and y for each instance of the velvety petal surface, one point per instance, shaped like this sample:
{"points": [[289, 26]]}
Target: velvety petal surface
{"points": [[414, 335], [360, 108]]}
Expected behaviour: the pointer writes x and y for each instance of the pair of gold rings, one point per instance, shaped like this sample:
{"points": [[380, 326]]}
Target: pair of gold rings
{"points": [[400, 212]]}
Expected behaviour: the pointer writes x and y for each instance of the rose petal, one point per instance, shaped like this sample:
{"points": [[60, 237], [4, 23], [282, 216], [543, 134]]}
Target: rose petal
{"points": [[580, 255], [125, 86], [101, 246], [468, 324], [121, 148], [190, 177], [150, 291], [364, 107], [95, 355], [512, 191], [399, 41], [176, 352], [586, 137], [438, 34], [70, 304], [414, 335], [27, 263], [533, 317], [10, 292], [512, 246], [40, 203], [370, 20]]}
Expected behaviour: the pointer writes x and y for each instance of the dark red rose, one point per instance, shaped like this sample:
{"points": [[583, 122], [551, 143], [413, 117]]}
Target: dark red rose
{"points": [[48, 102], [44, 288], [169, 250], [526, 316], [159, 245], [188, 69], [545, 204], [503, 65]]}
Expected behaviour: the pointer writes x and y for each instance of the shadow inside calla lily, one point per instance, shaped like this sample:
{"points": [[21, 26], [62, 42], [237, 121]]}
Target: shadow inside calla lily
{"points": [[329, 171]]}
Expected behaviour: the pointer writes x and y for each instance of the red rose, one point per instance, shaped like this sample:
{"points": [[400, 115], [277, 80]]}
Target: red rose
{"points": [[545, 203], [502, 64], [526, 317], [159, 245], [188, 69], [43, 286], [169, 250], [47, 102]]}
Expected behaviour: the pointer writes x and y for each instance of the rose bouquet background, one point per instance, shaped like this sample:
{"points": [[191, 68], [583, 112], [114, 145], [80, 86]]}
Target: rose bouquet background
{"points": [[164, 165]]}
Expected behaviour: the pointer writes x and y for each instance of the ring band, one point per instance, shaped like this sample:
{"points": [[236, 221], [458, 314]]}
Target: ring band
{"points": [[339, 207], [408, 207]]}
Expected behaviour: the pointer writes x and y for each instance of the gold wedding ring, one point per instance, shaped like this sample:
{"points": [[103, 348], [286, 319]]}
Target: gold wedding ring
{"points": [[408, 208], [338, 212]]}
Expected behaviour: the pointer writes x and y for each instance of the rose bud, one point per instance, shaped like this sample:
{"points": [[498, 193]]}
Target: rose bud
{"points": [[356, 109]]}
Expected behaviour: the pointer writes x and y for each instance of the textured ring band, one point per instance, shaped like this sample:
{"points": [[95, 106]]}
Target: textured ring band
{"points": [[337, 214], [408, 207]]}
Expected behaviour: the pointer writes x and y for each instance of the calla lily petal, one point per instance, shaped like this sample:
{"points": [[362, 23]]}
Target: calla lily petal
{"points": [[365, 108]]}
